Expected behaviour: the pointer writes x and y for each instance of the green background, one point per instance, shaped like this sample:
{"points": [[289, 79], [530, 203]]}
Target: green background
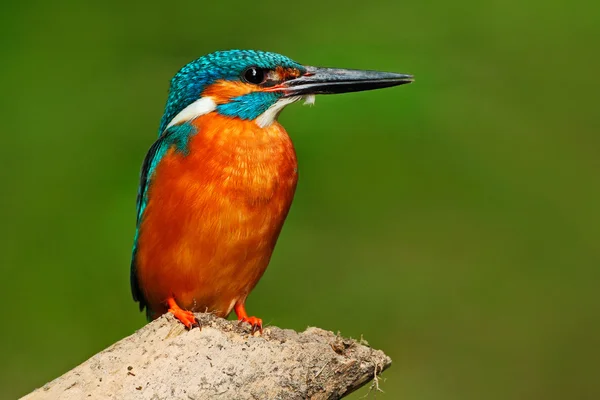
{"points": [[453, 222]]}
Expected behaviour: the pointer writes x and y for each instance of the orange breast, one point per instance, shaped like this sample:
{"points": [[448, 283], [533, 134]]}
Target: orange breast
{"points": [[213, 216]]}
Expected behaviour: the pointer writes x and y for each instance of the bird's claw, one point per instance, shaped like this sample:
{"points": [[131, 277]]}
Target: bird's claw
{"points": [[187, 318], [255, 323]]}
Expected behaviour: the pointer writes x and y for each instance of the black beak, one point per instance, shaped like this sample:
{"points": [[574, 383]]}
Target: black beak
{"points": [[334, 80]]}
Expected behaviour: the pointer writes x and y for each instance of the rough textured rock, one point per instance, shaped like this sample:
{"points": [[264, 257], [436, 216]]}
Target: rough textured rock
{"points": [[222, 361]]}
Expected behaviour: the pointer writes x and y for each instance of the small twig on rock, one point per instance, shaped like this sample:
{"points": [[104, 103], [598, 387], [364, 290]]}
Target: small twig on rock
{"points": [[322, 368], [375, 381]]}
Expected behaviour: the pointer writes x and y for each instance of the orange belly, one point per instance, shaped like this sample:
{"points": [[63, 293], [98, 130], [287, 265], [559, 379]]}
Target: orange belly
{"points": [[214, 214]]}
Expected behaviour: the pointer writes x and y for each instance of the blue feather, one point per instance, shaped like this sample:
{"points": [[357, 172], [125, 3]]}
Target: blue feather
{"points": [[249, 106], [175, 137]]}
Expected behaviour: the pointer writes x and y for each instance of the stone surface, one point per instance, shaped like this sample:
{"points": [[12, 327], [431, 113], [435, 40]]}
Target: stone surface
{"points": [[221, 361]]}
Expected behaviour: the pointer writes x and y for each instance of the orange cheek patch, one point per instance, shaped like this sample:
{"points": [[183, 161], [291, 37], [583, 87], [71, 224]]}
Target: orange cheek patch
{"points": [[222, 91], [287, 73]]}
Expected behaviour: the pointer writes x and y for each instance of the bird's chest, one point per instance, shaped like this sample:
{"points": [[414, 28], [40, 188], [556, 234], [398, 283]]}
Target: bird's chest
{"points": [[241, 167]]}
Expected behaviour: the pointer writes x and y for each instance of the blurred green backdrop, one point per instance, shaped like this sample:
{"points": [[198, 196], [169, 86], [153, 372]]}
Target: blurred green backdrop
{"points": [[453, 222]]}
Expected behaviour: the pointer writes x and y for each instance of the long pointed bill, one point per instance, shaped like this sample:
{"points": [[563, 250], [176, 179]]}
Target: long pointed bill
{"points": [[335, 80]]}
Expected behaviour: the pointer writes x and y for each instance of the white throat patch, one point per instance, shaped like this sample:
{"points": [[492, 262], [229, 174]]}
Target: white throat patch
{"points": [[268, 117], [205, 105], [202, 106]]}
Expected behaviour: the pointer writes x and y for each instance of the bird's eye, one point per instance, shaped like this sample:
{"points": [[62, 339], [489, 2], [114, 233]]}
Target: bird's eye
{"points": [[254, 75]]}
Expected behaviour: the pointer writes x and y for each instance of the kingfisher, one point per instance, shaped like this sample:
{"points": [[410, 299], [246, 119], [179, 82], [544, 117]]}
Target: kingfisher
{"points": [[217, 185]]}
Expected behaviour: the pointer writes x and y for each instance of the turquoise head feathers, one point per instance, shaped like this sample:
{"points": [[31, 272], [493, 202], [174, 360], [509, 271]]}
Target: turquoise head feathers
{"points": [[247, 66]]}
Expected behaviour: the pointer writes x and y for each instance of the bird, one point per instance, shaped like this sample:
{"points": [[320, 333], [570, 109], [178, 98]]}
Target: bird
{"points": [[216, 186]]}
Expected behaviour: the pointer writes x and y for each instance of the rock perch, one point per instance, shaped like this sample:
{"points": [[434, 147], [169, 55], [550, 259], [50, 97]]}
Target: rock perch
{"points": [[222, 361]]}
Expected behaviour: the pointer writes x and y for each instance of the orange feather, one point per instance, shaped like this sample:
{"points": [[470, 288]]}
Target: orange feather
{"points": [[214, 215]]}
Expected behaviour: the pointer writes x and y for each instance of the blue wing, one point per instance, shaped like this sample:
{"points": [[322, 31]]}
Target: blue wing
{"points": [[177, 136]]}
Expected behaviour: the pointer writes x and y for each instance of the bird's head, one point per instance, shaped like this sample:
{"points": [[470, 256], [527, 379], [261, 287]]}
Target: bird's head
{"points": [[257, 85]]}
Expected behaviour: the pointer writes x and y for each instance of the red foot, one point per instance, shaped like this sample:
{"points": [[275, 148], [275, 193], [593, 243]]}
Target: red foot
{"points": [[185, 317], [256, 323]]}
